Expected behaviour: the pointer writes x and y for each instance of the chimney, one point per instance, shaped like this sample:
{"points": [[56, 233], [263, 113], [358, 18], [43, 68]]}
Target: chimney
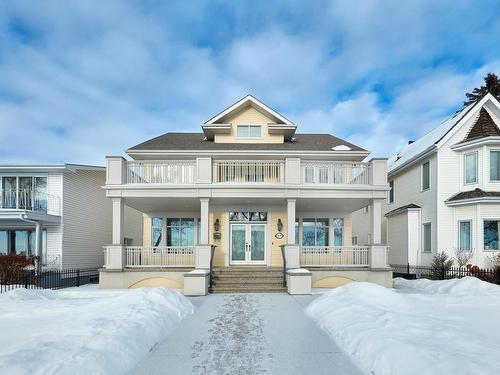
{"points": [[411, 141]]}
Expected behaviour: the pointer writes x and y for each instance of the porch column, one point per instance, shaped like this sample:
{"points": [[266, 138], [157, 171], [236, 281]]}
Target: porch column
{"points": [[204, 211], [376, 221], [117, 235], [38, 240], [290, 209]]}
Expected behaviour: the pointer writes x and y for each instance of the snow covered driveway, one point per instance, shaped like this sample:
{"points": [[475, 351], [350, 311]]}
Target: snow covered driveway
{"points": [[248, 334], [421, 327], [84, 330]]}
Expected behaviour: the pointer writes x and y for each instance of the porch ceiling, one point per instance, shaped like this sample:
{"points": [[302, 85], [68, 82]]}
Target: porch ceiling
{"points": [[191, 204]]}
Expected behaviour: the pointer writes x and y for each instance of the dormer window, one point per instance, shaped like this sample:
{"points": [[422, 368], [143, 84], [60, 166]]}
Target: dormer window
{"points": [[249, 131]]}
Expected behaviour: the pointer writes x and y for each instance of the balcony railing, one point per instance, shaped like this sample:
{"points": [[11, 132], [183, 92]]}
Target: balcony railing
{"points": [[165, 172], [172, 256], [331, 256], [335, 173], [248, 171], [30, 200]]}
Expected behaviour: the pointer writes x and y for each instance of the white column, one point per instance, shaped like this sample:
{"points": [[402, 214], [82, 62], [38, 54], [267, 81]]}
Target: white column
{"points": [[376, 221], [117, 235], [290, 210], [38, 240], [204, 212]]}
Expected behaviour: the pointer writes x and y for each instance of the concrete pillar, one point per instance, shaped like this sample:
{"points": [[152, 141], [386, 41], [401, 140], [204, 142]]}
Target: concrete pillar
{"points": [[118, 221], [376, 221], [290, 210], [39, 240], [204, 220]]}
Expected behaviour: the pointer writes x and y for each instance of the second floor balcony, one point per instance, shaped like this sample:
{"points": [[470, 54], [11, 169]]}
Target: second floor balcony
{"points": [[29, 200], [290, 171]]}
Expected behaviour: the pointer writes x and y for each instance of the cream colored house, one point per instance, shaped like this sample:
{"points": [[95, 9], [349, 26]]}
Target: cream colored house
{"points": [[240, 198], [445, 190]]}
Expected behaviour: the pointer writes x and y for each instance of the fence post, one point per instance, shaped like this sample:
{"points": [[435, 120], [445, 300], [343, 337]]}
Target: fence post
{"points": [[496, 274], [443, 274], [78, 278], [408, 268], [25, 280]]}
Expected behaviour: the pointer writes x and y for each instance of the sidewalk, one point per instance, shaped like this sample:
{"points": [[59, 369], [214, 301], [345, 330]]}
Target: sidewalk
{"points": [[248, 334]]}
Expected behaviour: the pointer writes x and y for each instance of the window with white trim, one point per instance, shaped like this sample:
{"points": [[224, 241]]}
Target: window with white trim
{"points": [[315, 232], [494, 165], [391, 191], [470, 168], [426, 176], [180, 231], [157, 238], [248, 131], [464, 235], [491, 232], [427, 237]]}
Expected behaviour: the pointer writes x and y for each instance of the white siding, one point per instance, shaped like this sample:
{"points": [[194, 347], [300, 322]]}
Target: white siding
{"points": [[407, 190], [54, 246]]}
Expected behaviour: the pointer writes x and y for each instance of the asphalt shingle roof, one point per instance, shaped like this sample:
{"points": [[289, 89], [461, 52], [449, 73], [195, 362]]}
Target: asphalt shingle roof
{"points": [[402, 209], [196, 141], [483, 127], [476, 193]]}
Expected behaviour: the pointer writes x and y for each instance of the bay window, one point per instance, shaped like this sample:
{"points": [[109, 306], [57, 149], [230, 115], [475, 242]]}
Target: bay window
{"points": [[494, 165], [470, 168], [491, 229], [464, 235]]}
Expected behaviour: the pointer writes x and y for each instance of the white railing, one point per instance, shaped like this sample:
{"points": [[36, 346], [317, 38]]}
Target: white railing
{"points": [[165, 172], [171, 256], [335, 173], [248, 171], [329, 256], [30, 200]]}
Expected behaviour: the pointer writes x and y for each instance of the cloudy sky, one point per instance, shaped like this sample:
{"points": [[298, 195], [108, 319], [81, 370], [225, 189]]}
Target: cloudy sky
{"points": [[83, 79]]}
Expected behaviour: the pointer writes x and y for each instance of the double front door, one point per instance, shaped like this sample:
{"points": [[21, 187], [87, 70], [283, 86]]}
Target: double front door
{"points": [[248, 243]]}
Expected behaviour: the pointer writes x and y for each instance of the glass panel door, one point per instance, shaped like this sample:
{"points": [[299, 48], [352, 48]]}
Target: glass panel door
{"points": [[9, 192], [257, 242], [25, 191], [238, 242]]}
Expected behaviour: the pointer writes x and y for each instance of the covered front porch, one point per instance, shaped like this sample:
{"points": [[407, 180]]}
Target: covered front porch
{"points": [[189, 235]]}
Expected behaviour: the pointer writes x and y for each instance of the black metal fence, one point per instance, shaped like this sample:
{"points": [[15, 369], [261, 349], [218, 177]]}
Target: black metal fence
{"points": [[435, 273], [49, 279]]}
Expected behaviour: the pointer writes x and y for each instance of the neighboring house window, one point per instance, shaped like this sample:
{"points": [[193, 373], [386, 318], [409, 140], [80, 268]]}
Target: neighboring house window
{"points": [[157, 232], [427, 237], [464, 235], [180, 232], [491, 229], [391, 191], [470, 168], [248, 131], [494, 165], [366, 209], [338, 232], [426, 176], [128, 241], [22, 242], [315, 232], [354, 240]]}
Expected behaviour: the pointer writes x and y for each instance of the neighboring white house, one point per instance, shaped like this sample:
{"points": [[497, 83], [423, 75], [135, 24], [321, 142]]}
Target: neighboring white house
{"points": [[59, 212], [248, 187], [445, 190]]}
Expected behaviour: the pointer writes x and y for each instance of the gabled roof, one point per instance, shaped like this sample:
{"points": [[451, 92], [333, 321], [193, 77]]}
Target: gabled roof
{"points": [[432, 139], [197, 141], [483, 127], [248, 100], [403, 209]]}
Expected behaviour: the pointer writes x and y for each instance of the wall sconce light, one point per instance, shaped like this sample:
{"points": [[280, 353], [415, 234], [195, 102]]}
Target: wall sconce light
{"points": [[216, 225], [280, 225]]}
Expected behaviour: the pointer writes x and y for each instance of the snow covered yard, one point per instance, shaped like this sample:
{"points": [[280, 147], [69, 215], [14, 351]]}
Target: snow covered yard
{"points": [[419, 327], [84, 330]]}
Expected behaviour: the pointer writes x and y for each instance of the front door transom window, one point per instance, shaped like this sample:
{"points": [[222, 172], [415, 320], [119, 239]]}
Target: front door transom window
{"points": [[248, 216]]}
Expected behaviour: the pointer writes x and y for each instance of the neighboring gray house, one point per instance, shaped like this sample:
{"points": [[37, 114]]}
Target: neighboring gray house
{"points": [[59, 212]]}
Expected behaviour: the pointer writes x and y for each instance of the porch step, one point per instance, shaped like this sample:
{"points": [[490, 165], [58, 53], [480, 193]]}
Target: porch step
{"points": [[248, 280]]}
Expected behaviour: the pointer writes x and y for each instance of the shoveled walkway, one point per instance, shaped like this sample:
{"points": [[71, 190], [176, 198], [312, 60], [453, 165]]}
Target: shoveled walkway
{"points": [[247, 334]]}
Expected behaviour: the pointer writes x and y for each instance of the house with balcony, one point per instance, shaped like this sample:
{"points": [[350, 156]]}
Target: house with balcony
{"points": [[245, 202], [445, 191], [57, 212]]}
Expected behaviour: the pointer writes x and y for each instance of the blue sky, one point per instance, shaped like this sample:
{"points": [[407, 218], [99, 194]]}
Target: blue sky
{"points": [[83, 79]]}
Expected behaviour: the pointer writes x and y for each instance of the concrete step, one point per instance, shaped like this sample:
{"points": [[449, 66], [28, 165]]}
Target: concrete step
{"points": [[252, 282], [247, 290], [248, 274]]}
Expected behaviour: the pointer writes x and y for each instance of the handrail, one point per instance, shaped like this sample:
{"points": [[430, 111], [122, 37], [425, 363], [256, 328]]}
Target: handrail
{"points": [[29, 199], [212, 252], [341, 173], [165, 172], [248, 171], [284, 264]]}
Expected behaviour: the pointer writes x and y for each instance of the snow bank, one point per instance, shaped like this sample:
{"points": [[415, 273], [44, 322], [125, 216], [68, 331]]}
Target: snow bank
{"points": [[86, 331], [421, 327]]}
